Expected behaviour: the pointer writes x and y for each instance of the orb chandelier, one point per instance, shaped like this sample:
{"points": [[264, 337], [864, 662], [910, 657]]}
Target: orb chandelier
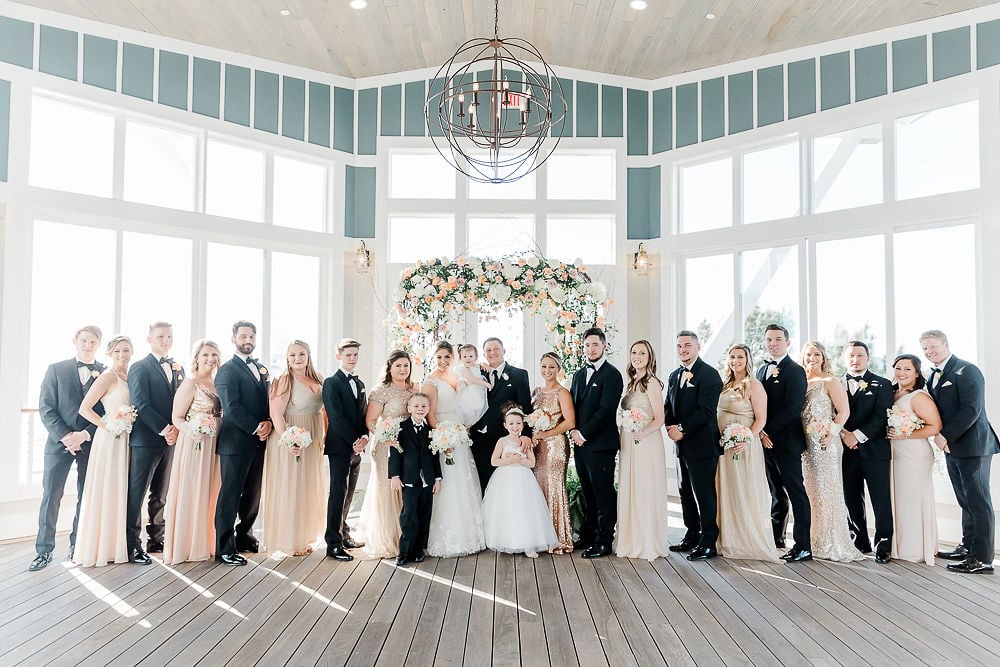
{"points": [[495, 110]]}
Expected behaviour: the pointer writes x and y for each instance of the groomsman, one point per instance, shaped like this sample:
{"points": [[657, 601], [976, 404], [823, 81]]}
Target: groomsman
{"points": [[242, 383], [867, 452], [691, 418], [784, 441], [152, 382], [969, 443], [346, 437], [69, 436], [509, 384], [596, 390]]}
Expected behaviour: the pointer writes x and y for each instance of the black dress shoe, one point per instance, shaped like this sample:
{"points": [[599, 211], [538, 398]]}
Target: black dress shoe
{"points": [[864, 547], [154, 547], [971, 566], [231, 559], [958, 553], [401, 561], [882, 557], [597, 552], [248, 544], [419, 558], [338, 553], [41, 560], [797, 556], [351, 543], [583, 544], [139, 557], [687, 544], [703, 553], [779, 544]]}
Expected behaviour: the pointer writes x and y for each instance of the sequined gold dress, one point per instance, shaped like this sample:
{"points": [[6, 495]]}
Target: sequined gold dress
{"points": [[551, 459], [378, 525], [824, 482], [642, 490]]}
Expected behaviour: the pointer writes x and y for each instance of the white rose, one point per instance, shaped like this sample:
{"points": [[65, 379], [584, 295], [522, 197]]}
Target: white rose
{"points": [[510, 271], [557, 294], [436, 306], [477, 268], [599, 291]]}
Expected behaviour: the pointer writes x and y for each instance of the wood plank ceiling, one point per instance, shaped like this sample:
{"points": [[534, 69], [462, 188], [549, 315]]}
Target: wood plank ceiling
{"points": [[669, 37]]}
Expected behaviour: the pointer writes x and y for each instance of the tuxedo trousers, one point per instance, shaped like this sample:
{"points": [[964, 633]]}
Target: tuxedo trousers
{"points": [[56, 470], [699, 499], [483, 445], [250, 499], [338, 502], [148, 471], [239, 496], [857, 472], [596, 470], [784, 479], [352, 486], [970, 478], [415, 520]]}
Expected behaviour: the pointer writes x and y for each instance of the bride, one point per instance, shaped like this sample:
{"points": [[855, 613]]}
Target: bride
{"points": [[456, 516]]}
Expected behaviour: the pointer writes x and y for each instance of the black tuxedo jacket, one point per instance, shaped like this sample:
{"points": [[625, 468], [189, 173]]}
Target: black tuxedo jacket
{"points": [[244, 406], [786, 396], [59, 404], [961, 400], [695, 407], [345, 413], [515, 388], [869, 415], [152, 394], [416, 457], [596, 404]]}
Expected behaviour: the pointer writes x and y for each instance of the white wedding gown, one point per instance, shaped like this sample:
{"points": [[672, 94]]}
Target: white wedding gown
{"points": [[456, 513]]}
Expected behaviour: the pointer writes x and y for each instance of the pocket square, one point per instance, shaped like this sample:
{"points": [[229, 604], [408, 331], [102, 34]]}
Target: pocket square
{"points": [[947, 384], [868, 393], [595, 384]]}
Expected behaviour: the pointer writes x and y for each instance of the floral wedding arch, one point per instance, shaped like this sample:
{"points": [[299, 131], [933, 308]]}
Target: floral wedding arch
{"points": [[434, 295]]}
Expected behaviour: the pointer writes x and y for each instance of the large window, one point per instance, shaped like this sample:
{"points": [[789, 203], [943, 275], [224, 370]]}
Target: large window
{"points": [[420, 176], [769, 282], [847, 169], [234, 291], [72, 147], [234, 185], [299, 194], [159, 166], [581, 175], [771, 183], [709, 307], [706, 195], [420, 237], [294, 297], [938, 151], [498, 235], [587, 238]]}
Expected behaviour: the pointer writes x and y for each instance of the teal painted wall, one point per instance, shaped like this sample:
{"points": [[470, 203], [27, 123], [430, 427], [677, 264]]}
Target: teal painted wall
{"points": [[359, 202], [57, 52], [100, 62], [4, 128], [173, 80]]}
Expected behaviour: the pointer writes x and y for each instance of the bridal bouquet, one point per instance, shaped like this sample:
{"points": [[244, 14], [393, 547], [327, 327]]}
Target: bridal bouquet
{"points": [[540, 420], [295, 436], [734, 435], [446, 436], [387, 431], [202, 423], [819, 428], [119, 421], [632, 420], [903, 421]]}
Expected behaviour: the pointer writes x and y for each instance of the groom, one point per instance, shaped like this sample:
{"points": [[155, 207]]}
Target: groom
{"points": [[242, 383], [69, 437], [509, 384]]}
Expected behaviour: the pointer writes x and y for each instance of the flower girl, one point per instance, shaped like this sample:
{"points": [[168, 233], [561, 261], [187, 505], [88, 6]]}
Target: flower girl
{"points": [[515, 514], [471, 398]]}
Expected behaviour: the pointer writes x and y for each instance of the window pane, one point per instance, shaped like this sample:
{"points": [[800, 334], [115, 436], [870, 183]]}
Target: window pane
{"points": [[234, 182], [771, 183], [413, 238], [420, 176], [847, 169], [159, 166], [591, 239], [299, 194], [706, 196], [850, 297], [499, 235], [523, 188], [72, 148], [708, 304], [770, 293], [938, 151], [147, 297], [942, 298], [294, 306], [581, 176], [235, 291]]}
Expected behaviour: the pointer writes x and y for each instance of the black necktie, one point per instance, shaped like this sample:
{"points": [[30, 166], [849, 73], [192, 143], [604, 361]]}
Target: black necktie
{"points": [[90, 366]]}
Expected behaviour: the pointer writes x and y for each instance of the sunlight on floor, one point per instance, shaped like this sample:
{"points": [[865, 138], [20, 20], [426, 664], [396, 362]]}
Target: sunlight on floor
{"points": [[459, 587], [305, 589], [201, 590], [104, 595]]}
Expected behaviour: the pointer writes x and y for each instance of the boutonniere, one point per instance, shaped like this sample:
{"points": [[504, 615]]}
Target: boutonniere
{"points": [[95, 373], [686, 377], [862, 385], [262, 370], [175, 367], [504, 376], [774, 372]]}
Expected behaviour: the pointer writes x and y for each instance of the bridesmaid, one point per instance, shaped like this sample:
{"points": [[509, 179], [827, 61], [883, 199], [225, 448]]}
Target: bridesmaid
{"points": [[189, 513], [642, 477], [552, 448], [914, 519], [826, 403], [294, 497], [101, 531], [744, 499], [379, 521]]}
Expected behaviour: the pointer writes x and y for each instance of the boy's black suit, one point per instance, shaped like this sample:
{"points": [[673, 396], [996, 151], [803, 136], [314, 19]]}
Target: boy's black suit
{"points": [[417, 468]]}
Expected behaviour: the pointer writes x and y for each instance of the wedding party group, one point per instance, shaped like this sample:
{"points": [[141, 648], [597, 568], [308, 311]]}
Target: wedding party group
{"points": [[472, 458]]}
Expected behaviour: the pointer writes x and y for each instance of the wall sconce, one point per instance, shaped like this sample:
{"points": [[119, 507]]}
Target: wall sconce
{"points": [[362, 259], [640, 261]]}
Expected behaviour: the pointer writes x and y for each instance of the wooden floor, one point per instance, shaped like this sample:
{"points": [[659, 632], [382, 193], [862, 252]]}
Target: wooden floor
{"points": [[499, 609]]}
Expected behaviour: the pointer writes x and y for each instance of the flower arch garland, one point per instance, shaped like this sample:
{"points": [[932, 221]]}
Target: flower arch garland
{"points": [[434, 295]]}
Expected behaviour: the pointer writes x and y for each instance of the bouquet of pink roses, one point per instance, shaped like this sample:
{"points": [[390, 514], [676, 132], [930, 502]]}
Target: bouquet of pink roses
{"points": [[295, 436], [903, 421], [202, 423], [119, 421], [540, 420], [632, 420], [734, 435], [446, 436], [818, 429]]}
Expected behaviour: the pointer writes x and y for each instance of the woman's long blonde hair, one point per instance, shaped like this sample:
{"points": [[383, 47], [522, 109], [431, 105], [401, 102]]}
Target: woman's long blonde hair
{"points": [[729, 378], [283, 385]]}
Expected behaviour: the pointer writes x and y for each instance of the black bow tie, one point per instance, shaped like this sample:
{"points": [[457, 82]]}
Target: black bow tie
{"points": [[90, 366], [352, 376], [417, 427], [770, 362], [251, 360], [935, 369], [166, 360], [856, 378], [590, 366]]}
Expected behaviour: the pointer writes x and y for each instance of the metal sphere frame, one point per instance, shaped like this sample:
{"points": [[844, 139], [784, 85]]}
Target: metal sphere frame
{"points": [[495, 117]]}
